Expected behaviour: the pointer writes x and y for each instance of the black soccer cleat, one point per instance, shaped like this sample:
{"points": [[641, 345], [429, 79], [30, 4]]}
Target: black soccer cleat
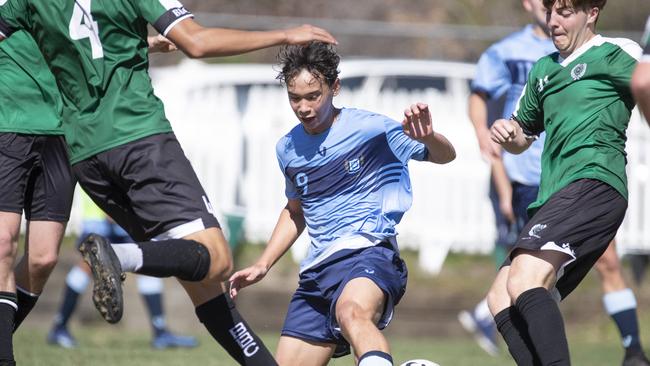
{"points": [[107, 276]]}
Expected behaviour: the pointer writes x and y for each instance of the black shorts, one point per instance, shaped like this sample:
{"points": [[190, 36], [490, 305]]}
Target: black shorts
{"points": [[35, 176], [148, 187], [580, 220]]}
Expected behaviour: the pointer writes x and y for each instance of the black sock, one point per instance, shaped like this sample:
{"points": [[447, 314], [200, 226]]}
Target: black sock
{"points": [[26, 302], [545, 326], [155, 308], [515, 333], [184, 259], [8, 305], [226, 325], [68, 305]]}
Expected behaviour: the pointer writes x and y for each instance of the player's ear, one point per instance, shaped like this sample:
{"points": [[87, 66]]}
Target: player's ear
{"points": [[336, 87]]}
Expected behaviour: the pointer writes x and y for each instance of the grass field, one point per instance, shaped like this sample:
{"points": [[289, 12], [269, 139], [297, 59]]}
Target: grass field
{"points": [[105, 345], [424, 326]]}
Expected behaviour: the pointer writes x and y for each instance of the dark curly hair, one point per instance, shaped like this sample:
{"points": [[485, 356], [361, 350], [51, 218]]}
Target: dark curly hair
{"points": [[319, 58], [576, 4]]}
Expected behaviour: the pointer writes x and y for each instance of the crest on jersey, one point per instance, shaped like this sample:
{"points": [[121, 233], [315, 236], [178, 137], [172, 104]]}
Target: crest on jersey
{"points": [[578, 71], [353, 166]]}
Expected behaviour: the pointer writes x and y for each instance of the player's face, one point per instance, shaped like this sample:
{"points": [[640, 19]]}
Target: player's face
{"points": [[570, 28], [311, 101], [538, 11]]}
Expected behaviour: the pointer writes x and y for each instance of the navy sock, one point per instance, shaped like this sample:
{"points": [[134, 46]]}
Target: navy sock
{"points": [[545, 326], [514, 330], [621, 306], [226, 325], [68, 306], [26, 302], [155, 308], [8, 306]]}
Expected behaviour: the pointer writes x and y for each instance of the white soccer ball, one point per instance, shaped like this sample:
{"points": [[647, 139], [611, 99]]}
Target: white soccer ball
{"points": [[419, 362]]}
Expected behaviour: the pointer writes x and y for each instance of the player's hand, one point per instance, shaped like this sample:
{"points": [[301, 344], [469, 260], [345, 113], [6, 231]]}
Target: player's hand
{"points": [[503, 131], [160, 44], [417, 122], [307, 33], [246, 277]]}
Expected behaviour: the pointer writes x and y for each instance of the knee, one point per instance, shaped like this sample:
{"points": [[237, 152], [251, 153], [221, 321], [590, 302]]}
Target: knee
{"points": [[608, 264], [8, 245], [515, 286], [42, 265], [349, 313], [220, 268]]}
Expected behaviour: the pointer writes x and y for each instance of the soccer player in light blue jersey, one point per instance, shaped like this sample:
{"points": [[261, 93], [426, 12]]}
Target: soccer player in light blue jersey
{"points": [[347, 182]]}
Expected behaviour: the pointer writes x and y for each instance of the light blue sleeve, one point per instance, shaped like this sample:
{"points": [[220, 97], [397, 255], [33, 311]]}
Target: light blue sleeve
{"points": [[404, 147], [492, 76], [290, 189]]}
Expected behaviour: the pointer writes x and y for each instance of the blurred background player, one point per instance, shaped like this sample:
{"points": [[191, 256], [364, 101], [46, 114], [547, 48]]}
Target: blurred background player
{"points": [[583, 191], [503, 71], [347, 182], [77, 280], [641, 76]]}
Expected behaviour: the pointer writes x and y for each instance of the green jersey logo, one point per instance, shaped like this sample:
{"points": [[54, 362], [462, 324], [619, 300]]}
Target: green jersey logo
{"points": [[578, 71]]}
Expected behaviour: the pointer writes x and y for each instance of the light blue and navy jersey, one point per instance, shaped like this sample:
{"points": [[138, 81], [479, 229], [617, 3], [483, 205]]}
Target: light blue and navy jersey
{"points": [[503, 70], [352, 180]]}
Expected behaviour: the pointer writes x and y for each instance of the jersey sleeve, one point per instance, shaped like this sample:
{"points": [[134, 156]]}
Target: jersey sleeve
{"points": [[14, 15], [528, 111], [622, 63], [290, 189], [163, 14], [404, 147], [492, 76]]}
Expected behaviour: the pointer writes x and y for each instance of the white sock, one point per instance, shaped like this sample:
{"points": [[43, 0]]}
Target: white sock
{"points": [[148, 285], [130, 256], [482, 311], [375, 358], [77, 280], [618, 301]]}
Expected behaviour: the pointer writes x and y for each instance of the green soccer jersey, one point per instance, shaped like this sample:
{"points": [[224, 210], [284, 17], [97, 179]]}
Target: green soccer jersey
{"points": [[29, 100], [584, 105], [97, 51]]}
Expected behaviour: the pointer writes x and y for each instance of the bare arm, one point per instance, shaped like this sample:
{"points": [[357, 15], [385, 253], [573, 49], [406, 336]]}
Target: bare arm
{"points": [[641, 88], [417, 125], [197, 41], [508, 134], [290, 225], [478, 115]]}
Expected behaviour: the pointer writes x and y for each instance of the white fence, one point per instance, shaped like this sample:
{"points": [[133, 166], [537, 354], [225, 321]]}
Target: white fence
{"points": [[228, 119]]}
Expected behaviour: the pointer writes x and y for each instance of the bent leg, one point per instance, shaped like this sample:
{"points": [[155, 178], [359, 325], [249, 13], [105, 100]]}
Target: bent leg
{"points": [[358, 310], [9, 232], [298, 352]]}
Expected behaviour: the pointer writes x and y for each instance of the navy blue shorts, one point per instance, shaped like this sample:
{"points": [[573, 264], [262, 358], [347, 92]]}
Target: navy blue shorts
{"points": [[312, 316], [522, 196]]}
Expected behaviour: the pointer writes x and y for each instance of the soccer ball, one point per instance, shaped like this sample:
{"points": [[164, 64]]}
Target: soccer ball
{"points": [[419, 362]]}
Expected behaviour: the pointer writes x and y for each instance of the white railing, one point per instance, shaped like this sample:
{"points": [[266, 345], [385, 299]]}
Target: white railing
{"points": [[229, 118]]}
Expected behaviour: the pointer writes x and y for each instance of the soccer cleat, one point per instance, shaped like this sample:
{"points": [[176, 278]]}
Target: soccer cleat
{"points": [[107, 276], [60, 336], [341, 350], [169, 340], [635, 359], [485, 334]]}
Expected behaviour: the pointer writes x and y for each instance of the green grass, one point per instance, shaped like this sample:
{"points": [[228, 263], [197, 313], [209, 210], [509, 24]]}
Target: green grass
{"points": [[105, 345]]}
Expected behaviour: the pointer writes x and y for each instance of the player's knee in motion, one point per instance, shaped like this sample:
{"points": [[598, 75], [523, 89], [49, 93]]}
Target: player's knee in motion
{"points": [[8, 246], [608, 263], [350, 315], [42, 264], [220, 262]]}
